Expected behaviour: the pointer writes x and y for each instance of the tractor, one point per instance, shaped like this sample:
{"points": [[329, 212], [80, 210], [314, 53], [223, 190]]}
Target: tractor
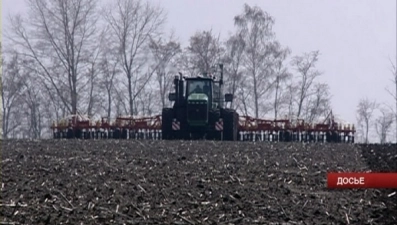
{"points": [[199, 110]]}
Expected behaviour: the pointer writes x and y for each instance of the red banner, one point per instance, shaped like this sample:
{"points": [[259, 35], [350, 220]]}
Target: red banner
{"points": [[362, 180]]}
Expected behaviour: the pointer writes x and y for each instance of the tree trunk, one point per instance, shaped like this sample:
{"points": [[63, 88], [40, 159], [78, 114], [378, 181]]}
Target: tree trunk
{"points": [[91, 97], [74, 95], [109, 103], [5, 124], [276, 99], [256, 100], [162, 89], [74, 102], [3, 115], [130, 96], [366, 131], [300, 105]]}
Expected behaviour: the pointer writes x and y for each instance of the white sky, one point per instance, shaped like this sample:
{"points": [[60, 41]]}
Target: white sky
{"points": [[356, 38]]}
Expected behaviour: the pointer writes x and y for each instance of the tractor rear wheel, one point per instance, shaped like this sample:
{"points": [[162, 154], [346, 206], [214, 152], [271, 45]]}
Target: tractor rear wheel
{"points": [[116, 133], [230, 124], [166, 124], [213, 134], [70, 134]]}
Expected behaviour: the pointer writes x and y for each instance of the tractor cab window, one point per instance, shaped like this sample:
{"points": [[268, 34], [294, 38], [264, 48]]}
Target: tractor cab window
{"points": [[199, 86]]}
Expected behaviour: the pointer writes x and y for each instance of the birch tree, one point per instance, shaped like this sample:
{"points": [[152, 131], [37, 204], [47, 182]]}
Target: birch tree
{"points": [[92, 98], [132, 24], [261, 52], [203, 52], [164, 52], [235, 46], [282, 75], [318, 103], [109, 69], [383, 124], [1, 92], [307, 73], [56, 34], [11, 92], [392, 93], [33, 100], [365, 112]]}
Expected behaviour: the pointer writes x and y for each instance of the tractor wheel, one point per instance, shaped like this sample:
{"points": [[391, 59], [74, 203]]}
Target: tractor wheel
{"points": [[230, 124], [124, 134], [70, 134], [78, 133], [213, 134], [116, 133], [166, 124]]}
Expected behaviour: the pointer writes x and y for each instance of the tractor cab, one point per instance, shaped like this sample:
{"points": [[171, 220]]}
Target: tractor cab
{"points": [[201, 98], [202, 91]]}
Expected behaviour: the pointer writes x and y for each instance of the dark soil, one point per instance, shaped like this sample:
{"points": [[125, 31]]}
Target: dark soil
{"points": [[383, 158], [159, 182]]}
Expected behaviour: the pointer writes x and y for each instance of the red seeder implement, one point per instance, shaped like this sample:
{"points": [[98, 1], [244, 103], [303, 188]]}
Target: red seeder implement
{"points": [[249, 129]]}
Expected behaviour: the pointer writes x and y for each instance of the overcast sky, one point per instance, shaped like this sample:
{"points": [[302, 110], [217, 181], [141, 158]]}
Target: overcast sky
{"points": [[356, 38]]}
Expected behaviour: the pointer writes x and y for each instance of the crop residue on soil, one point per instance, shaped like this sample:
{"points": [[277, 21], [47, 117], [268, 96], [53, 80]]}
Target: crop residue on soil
{"points": [[183, 182]]}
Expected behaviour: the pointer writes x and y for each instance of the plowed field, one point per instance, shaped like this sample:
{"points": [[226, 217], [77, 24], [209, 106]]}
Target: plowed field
{"points": [[181, 182]]}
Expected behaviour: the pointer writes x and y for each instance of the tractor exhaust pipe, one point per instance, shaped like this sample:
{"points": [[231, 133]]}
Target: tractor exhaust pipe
{"points": [[221, 80], [220, 85], [180, 91], [176, 84]]}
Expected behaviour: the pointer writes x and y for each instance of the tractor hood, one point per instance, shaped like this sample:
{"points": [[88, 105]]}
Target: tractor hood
{"points": [[197, 97], [197, 110]]}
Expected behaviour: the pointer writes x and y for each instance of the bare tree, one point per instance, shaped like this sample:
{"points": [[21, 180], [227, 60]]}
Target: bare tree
{"points": [[394, 95], [290, 92], [235, 46], [109, 70], [24, 111], [1, 92], [185, 64], [146, 102], [11, 91], [56, 36], [203, 52], [260, 53], [133, 22], [120, 104], [243, 96], [163, 54], [33, 104], [305, 66], [282, 75], [93, 68], [383, 124], [319, 102], [365, 111]]}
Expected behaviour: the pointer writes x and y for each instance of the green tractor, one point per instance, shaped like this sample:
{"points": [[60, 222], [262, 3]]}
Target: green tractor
{"points": [[199, 110]]}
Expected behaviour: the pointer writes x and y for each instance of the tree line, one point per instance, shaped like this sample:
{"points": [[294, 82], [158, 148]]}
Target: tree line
{"points": [[378, 116], [82, 57]]}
